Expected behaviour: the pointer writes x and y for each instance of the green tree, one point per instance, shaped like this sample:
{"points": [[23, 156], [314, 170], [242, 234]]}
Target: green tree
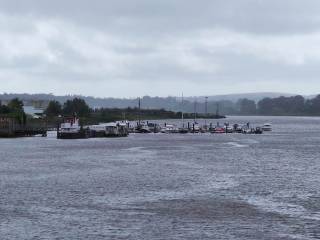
{"points": [[16, 110], [76, 106], [4, 109], [16, 105], [54, 109], [313, 106]]}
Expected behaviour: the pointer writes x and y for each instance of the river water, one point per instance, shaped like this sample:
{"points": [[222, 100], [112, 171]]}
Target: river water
{"points": [[158, 186]]}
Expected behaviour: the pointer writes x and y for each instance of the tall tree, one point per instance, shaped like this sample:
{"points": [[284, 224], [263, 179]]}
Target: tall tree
{"points": [[16, 105], [76, 106], [54, 109]]}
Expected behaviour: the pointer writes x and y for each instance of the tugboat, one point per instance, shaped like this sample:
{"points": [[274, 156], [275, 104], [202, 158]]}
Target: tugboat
{"points": [[71, 129]]}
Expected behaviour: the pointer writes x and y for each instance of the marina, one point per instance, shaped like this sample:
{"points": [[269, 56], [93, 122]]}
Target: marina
{"points": [[197, 128], [71, 128]]}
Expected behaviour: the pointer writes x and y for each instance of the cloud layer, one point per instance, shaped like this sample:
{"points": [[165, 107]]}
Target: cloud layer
{"points": [[136, 47]]}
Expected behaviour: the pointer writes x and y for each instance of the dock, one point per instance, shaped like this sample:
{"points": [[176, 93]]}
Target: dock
{"points": [[11, 128]]}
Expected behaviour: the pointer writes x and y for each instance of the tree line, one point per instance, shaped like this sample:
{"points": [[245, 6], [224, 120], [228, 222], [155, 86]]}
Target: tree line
{"points": [[281, 106], [81, 109]]}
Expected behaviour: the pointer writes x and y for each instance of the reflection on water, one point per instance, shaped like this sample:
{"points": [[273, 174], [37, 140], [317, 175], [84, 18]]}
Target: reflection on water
{"points": [[161, 186]]}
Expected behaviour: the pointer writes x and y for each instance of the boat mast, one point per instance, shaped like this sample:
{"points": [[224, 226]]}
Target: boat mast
{"points": [[206, 112], [217, 110], [139, 111], [182, 115], [195, 111]]}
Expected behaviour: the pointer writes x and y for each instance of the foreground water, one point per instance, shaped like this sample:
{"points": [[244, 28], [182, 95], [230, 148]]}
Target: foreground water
{"points": [[161, 186]]}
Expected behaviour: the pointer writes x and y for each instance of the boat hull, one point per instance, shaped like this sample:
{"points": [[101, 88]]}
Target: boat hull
{"points": [[78, 135]]}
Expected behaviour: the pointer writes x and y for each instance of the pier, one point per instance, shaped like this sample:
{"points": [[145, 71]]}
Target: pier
{"points": [[11, 128]]}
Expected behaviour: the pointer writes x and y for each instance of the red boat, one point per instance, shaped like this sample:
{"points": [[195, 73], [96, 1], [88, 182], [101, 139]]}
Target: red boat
{"points": [[219, 130]]}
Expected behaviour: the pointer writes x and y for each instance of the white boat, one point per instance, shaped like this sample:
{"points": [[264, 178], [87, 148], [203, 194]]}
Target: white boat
{"points": [[170, 128], [195, 128], [228, 129], [267, 127], [154, 127], [143, 128], [113, 129]]}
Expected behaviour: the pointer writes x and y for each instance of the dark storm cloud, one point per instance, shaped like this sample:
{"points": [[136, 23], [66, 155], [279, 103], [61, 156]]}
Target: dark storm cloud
{"points": [[140, 44]]}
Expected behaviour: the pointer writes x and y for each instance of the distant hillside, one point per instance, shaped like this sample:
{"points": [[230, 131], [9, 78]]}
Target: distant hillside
{"points": [[224, 104], [235, 97]]}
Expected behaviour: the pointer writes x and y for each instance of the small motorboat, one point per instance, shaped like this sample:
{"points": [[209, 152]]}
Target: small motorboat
{"points": [[195, 128], [170, 128], [258, 130], [237, 128], [247, 130], [154, 127], [267, 127], [143, 128], [228, 129], [183, 130], [219, 130]]}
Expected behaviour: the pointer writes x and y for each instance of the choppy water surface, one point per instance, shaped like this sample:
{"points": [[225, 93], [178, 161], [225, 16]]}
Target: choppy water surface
{"points": [[161, 186]]}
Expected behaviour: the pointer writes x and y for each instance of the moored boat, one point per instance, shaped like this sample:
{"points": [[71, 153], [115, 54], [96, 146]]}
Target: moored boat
{"points": [[228, 129], [143, 128], [71, 129], [153, 127], [267, 127], [113, 129], [258, 130], [219, 130], [170, 128], [183, 130], [195, 128]]}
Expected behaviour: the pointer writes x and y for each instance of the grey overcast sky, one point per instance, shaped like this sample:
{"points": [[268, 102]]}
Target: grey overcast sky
{"points": [[126, 48]]}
